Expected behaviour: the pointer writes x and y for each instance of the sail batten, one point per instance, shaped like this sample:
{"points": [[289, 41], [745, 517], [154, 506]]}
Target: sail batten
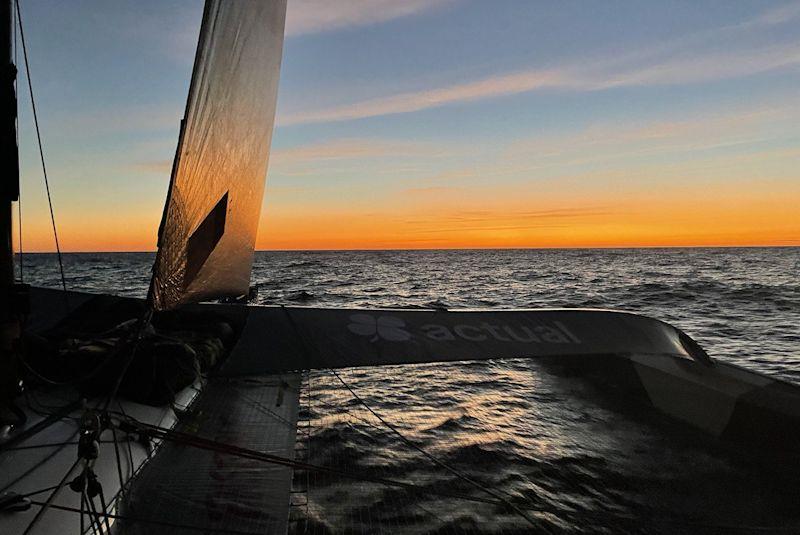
{"points": [[208, 230]]}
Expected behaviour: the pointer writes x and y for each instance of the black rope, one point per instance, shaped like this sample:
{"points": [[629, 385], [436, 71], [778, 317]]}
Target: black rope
{"points": [[44, 424], [83, 500], [139, 329], [49, 503], [41, 151], [266, 410], [56, 444], [236, 451], [131, 464], [118, 457], [97, 526], [104, 508], [35, 492], [47, 445], [35, 467], [491, 492], [368, 424], [498, 496], [127, 518]]}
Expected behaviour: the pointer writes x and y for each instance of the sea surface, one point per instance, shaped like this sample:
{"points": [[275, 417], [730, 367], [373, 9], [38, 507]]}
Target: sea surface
{"points": [[568, 458]]}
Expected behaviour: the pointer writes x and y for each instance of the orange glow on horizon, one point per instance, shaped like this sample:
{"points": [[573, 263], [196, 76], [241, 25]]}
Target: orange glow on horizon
{"points": [[678, 218]]}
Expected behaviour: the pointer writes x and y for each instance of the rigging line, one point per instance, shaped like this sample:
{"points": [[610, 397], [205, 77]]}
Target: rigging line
{"points": [[47, 445], [92, 513], [54, 445], [436, 460], [105, 508], [49, 503], [259, 406], [236, 451], [118, 457], [35, 467], [131, 464], [41, 151], [291, 463], [83, 526], [140, 327], [43, 424], [35, 492], [383, 431], [133, 519], [85, 506], [495, 494]]}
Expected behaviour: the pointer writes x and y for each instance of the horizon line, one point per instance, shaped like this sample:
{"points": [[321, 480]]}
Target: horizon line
{"points": [[379, 249]]}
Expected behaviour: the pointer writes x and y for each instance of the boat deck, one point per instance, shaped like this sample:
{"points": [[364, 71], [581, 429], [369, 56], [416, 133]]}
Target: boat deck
{"points": [[34, 464], [210, 490]]}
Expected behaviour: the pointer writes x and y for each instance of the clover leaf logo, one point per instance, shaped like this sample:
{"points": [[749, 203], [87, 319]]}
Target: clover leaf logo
{"points": [[387, 328]]}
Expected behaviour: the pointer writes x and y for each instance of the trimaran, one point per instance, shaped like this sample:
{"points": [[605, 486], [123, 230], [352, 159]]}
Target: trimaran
{"points": [[133, 415]]}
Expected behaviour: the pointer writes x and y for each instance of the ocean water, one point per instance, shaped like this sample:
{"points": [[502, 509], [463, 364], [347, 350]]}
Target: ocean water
{"points": [[573, 460]]}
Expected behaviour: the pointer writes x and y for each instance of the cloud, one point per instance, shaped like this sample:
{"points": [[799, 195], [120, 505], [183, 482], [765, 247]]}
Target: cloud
{"points": [[314, 16], [777, 15], [699, 68], [479, 216], [506, 220], [680, 61], [612, 140], [638, 152], [351, 154], [495, 86]]}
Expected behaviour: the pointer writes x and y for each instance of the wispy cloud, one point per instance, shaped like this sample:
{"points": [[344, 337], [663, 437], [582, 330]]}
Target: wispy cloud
{"points": [[505, 220], [613, 140], [495, 86], [672, 63], [693, 146], [777, 15], [698, 68], [313, 16], [351, 155]]}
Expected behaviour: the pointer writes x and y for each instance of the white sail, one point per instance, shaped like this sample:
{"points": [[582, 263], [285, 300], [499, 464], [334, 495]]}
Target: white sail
{"points": [[208, 230]]}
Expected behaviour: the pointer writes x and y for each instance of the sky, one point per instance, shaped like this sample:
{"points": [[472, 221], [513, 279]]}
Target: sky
{"points": [[438, 123]]}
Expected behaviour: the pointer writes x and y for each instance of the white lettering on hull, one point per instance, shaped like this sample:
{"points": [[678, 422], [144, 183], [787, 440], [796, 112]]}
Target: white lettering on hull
{"points": [[394, 329], [557, 333]]}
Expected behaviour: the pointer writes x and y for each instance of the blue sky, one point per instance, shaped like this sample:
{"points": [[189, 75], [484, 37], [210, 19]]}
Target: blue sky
{"points": [[440, 122]]}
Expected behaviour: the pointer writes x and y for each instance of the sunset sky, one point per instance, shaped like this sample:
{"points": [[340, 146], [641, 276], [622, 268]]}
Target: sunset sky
{"points": [[438, 123]]}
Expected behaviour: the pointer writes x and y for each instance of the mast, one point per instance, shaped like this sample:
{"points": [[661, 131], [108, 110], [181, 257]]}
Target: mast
{"points": [[8, 144], [9, 191]]}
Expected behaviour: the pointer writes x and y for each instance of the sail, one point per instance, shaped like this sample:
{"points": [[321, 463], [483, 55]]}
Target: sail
{"points": [[208, 229]]}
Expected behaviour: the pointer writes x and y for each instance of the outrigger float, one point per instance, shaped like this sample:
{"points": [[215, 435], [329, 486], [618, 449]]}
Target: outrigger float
{"points": [[174, 414]]}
